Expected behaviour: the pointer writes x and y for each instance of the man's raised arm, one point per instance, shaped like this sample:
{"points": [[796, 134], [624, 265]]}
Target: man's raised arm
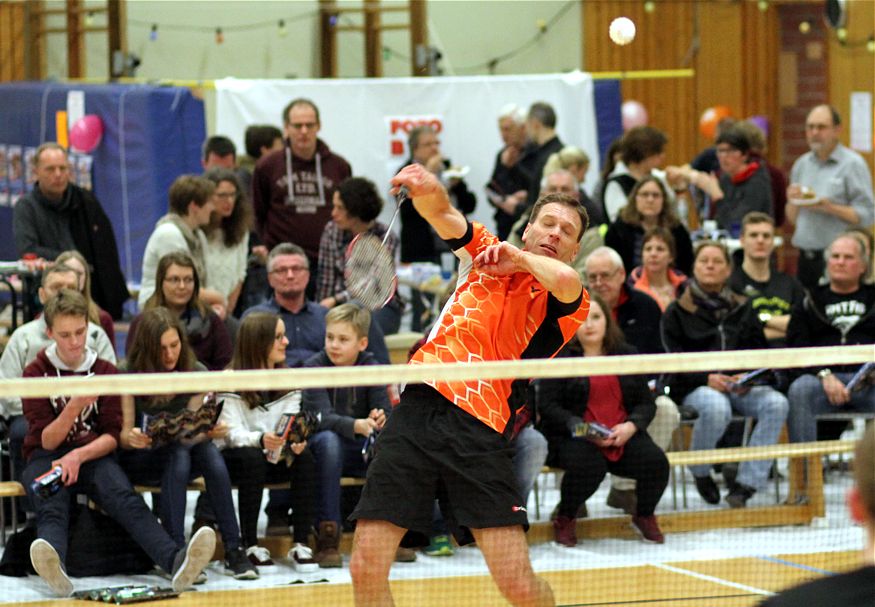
{"points": [[431, 201]]}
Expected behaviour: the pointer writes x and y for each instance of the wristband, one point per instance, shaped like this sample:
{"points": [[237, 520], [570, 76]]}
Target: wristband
{"points": [[823, 373]]}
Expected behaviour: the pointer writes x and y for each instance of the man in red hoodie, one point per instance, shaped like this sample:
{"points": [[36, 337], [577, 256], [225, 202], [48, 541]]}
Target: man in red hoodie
{"points": [[77, 436], [292, 188]]}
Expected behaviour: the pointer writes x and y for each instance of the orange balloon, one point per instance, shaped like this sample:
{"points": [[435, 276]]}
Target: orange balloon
{"points": [[711, 118]]}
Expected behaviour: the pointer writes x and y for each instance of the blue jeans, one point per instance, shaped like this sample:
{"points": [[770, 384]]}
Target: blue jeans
{"points": [[174, 466], [336, 456], [766, 404], [105, 482], [530, 453], [808, 400]]}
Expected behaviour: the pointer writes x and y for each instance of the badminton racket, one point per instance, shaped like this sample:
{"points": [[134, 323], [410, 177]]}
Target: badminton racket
{"points": [[369, 271]]}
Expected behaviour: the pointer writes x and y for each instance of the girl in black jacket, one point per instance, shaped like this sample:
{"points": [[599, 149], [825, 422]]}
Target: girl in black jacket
{"points": [[623, 404]]}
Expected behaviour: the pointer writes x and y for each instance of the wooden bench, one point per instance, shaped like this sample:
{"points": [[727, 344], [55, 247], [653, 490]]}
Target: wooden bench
{"points": [[399, 345], [13, 489], [804, 502]]}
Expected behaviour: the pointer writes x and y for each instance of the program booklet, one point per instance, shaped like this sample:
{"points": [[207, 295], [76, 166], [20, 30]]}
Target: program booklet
{"points": [[167, 427]]}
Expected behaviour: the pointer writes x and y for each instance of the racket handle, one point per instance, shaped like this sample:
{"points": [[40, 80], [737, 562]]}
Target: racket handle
{"points": [[402, 194]]}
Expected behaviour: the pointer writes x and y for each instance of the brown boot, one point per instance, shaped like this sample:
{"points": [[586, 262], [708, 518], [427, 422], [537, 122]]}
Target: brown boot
{"points": [[327, 544]]}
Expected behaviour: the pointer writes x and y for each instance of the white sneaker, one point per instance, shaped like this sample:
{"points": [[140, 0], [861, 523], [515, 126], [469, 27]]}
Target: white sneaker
{"points": [[197, 556], [259, 556], [302, 559], [47, 563]]}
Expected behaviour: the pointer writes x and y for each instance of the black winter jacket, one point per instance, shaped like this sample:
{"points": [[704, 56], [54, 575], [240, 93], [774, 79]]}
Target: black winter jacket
{"points": [[687, 327], [561, 399]]}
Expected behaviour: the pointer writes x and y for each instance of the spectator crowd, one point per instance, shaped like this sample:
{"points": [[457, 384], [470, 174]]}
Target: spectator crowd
{"points": [[246, 271]]}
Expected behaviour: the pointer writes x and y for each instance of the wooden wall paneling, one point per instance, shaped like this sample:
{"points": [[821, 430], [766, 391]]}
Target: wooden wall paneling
{"points": [[662, 40], [852, 66], [760, 59], [5, 41], [12, 16], [718, 64], [18, 41]]}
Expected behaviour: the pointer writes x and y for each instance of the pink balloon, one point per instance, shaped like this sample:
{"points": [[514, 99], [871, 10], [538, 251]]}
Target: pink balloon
{"points": [[86, 133], [633, 114]]}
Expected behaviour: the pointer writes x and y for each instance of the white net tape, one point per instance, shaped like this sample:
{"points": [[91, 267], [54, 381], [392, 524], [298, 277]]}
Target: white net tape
{"points": [[291, 379]]}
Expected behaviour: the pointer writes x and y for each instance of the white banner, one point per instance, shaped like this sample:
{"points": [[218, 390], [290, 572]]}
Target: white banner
{"points": [[357, 115]]}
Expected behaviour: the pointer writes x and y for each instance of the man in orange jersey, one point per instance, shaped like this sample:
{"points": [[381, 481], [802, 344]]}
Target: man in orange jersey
{"points": [[451, 439]]}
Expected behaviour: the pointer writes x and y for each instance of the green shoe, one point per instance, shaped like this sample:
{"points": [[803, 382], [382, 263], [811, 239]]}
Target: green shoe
{"points": [[440, 546]]}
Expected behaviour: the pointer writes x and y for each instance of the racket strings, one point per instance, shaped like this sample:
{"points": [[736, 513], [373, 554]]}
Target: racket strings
{"points": [[370, 272]]}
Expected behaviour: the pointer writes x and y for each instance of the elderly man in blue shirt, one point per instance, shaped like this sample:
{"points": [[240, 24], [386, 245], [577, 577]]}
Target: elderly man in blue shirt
{"points": [[830, 191]]}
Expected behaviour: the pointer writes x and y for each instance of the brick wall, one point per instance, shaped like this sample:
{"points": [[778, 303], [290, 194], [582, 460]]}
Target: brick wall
{"points": [[812, 75]]}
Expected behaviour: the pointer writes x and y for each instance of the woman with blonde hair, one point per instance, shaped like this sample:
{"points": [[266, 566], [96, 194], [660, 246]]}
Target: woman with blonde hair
{"points": [[576, 161], [75, 260]]}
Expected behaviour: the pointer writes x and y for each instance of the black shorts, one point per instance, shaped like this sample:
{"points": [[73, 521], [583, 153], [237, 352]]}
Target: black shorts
{"points": [[430, 447]]}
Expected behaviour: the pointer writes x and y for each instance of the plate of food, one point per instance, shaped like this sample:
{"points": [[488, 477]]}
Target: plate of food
{"points": [[455, 172], [806, 198]]}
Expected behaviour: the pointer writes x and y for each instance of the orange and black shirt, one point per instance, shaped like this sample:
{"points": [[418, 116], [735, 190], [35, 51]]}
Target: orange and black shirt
{"points": [[495, 318]]}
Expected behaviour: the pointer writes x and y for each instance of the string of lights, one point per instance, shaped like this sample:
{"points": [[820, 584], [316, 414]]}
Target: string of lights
{"points": [[221, 30]]}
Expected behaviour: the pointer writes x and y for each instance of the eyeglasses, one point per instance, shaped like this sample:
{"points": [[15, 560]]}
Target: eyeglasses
{"points": [[292, 269], [279, 337], [600, 277], [649, 195], [178, 280]]}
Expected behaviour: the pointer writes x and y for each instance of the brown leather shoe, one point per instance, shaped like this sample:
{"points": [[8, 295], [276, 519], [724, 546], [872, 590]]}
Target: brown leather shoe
{"points": [[405, 555], [565, 531], [623, 499], [327, 544]]}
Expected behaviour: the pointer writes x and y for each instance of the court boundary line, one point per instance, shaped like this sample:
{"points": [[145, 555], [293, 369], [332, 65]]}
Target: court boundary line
{"points": [[661, 600], [711, 578], [779, 561]]}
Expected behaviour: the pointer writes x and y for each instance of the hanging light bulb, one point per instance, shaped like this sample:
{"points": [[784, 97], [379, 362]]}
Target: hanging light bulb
{"points": [[763, 5], [89, 19], [649, 6], [281, 28], [153, 32], [220, 37], [842, 34], [870, 44], [804, 27]]}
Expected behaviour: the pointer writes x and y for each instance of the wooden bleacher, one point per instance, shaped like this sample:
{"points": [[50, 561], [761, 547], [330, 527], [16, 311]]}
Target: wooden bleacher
{"points": [[804, 502]]}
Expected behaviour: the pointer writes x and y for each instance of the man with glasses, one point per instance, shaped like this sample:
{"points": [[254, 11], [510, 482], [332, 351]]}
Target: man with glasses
{"points": [[638, 316], [288, 272], [292, 188], [830, 191]]}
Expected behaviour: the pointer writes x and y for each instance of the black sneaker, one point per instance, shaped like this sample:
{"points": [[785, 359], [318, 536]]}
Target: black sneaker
{"points": [[237, 564], [737, 498], [707, 488]]}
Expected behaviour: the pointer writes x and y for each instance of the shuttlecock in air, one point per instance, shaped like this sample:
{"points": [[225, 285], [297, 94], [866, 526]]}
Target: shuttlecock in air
{"points": [[622, 30]]}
